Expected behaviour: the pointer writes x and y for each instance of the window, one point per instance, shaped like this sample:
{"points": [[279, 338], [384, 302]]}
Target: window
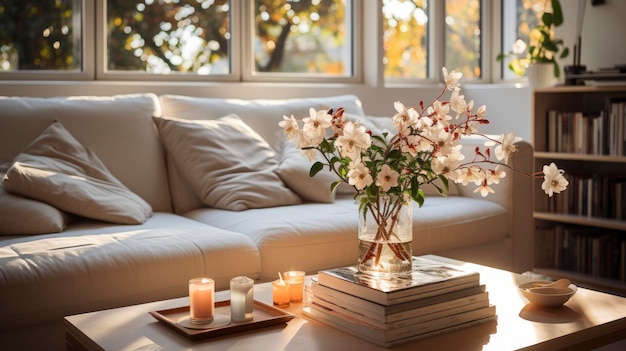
{"points": [[167, 36], [40, 35], [254, 40], [410, 48], [520, 16], [310, 37]]}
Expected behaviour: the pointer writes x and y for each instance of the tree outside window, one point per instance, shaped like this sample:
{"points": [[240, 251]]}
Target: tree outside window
{"points": [[166, 36], [305, 36], [40, 35]]}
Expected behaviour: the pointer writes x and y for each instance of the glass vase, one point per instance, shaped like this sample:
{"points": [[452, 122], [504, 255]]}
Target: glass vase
{"points": [[385, 236]]}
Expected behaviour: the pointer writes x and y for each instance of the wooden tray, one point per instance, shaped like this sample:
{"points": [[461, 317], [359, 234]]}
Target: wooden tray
{"points": [[264, 315]]}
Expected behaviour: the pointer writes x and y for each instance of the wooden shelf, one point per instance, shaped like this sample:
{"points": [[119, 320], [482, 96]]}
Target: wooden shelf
{"points": [[579, 157], [582, 220]]}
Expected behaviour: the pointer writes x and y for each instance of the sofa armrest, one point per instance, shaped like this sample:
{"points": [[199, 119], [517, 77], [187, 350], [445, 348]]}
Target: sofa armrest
{"points": [[515, 194]]}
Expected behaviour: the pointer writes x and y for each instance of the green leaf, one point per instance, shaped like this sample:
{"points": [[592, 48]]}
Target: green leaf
{"points": [[564, 53], [558, 13], [547, 19], [334, 186], [315, 168]]}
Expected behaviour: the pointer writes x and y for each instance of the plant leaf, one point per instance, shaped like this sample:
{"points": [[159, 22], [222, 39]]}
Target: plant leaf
{"points": [[316, 168]]}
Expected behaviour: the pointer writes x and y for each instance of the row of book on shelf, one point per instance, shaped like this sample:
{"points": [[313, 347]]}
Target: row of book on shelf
{"points": [[592, 251], [602, 133], [437, 298], [592, 195]]}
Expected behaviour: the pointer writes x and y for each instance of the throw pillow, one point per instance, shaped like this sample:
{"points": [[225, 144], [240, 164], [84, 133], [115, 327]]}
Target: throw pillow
{"points": [[57, 169], [23, 216], [294, 171], [226, 163]]}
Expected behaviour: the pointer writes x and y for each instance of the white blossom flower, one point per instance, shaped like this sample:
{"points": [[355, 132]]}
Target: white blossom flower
{"points": [[315, 125], [353, 139], [387, 178], [440, 111], [360, 176], [457, 103], [291, 128], [493, 176], [448, 164], [484, 189], [554, 181], [470, 174], [452, 79], [506, 148], [404, 118]]}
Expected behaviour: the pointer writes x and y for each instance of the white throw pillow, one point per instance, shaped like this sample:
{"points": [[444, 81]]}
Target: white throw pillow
{"points": [[57, 169], [23, 216], [226, 163], [294, 170]]}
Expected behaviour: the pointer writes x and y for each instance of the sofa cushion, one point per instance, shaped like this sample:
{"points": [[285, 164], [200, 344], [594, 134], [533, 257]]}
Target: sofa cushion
{"points": [[294, 171], [119, 129], [23, 216], [262, 115], [228, 164], [94, 265], [315, 236], [57, 169]]}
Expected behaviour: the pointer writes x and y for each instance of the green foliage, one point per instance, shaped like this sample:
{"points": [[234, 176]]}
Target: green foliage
{"points": [[543, 47]]}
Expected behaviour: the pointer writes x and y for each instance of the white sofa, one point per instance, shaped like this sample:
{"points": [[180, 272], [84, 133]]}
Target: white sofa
{"points": [[93, 264]]}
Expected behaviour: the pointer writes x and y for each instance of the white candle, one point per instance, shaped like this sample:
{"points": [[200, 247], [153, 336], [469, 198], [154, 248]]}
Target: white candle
{"points": [[201, 300], [241, 299]]}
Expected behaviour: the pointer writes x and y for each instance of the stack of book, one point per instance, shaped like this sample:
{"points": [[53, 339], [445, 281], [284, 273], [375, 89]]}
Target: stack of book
{"points": [[437, 298]]}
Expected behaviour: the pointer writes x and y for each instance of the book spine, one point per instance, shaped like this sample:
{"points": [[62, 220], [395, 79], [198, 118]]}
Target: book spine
{"points": [[411, 317], [387, 299], [404, 334]]}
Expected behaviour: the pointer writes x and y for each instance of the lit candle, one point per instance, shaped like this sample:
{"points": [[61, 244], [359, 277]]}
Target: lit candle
{"points": [[280, 292], [295, 279], [201, 300], [241, 299]]}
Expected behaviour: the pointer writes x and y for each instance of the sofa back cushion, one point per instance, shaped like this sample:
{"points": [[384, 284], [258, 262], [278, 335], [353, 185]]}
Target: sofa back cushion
{"points": [[262, 115], [119, 129]]}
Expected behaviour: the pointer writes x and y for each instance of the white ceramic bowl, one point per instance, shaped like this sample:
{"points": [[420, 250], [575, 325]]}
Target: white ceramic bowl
{"points": [[547, 297]]}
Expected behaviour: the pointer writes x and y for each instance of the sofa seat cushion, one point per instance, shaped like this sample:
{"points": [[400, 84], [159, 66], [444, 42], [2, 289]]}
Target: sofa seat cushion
{"points": [[94, 265], [315, 236]]}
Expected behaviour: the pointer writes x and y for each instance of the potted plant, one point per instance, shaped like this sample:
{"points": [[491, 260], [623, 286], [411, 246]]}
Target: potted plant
{"points": [[542, 49]]}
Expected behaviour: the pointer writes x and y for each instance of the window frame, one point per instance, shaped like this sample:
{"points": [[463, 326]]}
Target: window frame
{"points": [[367, 55]]}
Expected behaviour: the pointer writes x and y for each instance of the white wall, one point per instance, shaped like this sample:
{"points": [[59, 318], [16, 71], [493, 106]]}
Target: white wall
{"points": [[508, 105]]}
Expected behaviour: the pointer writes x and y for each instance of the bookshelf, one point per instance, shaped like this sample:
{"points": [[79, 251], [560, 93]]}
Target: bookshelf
{"points": [[580, 234]]}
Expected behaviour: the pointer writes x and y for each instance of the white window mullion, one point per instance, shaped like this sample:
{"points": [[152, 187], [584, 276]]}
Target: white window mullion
{"points": [[436, 39]]}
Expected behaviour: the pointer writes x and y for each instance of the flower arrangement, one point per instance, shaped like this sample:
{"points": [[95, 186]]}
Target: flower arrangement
{"points": [[542, 46], [425, 149]]}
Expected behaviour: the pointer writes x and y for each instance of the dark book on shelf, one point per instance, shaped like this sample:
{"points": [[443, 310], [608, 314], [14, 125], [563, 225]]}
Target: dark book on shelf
{"points": [[401, 335], [428, 278]]}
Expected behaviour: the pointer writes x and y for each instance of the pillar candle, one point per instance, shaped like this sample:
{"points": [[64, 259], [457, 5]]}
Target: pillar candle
{"points": [[280, 293], [201, 300], [295, 279], [241, 299]]}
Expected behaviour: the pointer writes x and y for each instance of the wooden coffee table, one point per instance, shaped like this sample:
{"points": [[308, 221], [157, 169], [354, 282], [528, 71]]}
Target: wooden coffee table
{"points": [[590, 319]]}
